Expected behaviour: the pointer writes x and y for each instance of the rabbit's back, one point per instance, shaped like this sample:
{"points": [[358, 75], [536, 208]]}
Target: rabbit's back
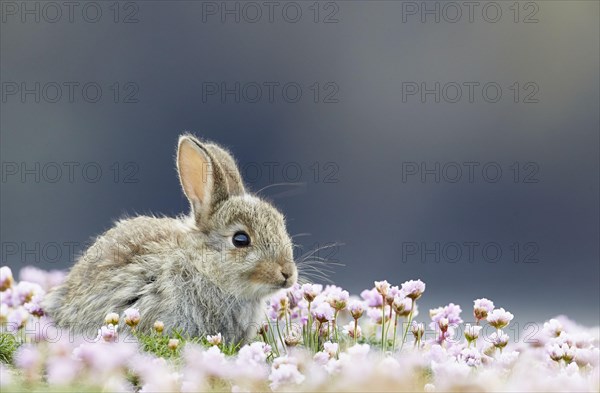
{"points": [[146, 263], [124, 265]]}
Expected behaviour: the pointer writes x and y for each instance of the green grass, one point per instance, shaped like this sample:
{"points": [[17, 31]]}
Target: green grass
{"points": [[154, 343], [158, 344], [8, 346]]}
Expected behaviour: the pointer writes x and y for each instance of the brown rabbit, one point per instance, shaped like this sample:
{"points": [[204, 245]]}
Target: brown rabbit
{"points": [[204, 273]]}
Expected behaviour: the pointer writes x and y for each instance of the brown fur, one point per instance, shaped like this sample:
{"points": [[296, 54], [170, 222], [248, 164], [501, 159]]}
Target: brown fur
{"points": [[185, 271]]}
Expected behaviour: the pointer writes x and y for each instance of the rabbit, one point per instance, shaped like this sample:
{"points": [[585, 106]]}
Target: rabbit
{"points": [[204, 273]]}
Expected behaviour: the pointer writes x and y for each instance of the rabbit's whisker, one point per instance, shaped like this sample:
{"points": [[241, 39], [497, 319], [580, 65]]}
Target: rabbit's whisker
{"points": [[280, 184]]}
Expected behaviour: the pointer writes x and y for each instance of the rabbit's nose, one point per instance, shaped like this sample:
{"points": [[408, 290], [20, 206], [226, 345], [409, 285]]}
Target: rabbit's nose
{"points": [[288, 272]]}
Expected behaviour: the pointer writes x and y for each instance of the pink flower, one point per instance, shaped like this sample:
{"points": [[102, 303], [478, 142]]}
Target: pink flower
{"points": [[413, 289], [62, 371], [103, 359], [356, 308], [331, 348], [349, 330], [34, 275], [155, 375], [391, 294], [25, 291], [382, 287], [499, 318], [311, 291], [553, 328], [451, 312], [278, 305], [284, 373], [159, 326], [267, 349], [132, 317], [470, 356], [482, 307], [295, 295], [472, 332], [34, 306], [417, 329], [201, 363], [555, 352], [28, 358], [252, 355], [359, 351], [214, 340], [111, 318], [372, 297], [375, 314], [323, 312], [173, 343], [321, 358], [402, 306], [46, 280], [443, 324], [6, 278], [108, 333], [17, 319], [6, 297], [499, 339], [337, 298]]}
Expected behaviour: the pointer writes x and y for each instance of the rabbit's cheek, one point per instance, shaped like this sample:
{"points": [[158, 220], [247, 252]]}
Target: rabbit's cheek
{"points": [[262, 273], [267, 273], [240, 256]]}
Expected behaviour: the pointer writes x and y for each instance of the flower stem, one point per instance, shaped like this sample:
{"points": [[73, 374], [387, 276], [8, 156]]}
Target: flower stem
{"points": [[387, 330], [274, 346], [395, 327], [410, 316], [383, 324], [280, 338], [335, 331], [318, 336], [309, 326]]}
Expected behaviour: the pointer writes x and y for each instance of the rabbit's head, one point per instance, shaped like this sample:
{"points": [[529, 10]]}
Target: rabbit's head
{"points": [[242, 241]]}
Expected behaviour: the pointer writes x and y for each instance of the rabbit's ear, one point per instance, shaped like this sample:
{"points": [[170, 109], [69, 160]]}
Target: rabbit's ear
{"points": [[235, 184], [201, 177]]}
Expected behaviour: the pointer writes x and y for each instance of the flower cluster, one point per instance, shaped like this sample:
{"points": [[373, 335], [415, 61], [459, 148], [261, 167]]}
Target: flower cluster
{"points": [[315, 338], [20, 301]]}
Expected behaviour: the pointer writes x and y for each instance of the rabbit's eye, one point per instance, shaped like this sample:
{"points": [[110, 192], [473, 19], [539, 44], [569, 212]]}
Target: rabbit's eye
{"points": [[241, 239]]}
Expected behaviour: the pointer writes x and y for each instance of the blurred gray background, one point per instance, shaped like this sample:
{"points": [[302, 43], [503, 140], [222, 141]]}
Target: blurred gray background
{"points": [[339, 97]]}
